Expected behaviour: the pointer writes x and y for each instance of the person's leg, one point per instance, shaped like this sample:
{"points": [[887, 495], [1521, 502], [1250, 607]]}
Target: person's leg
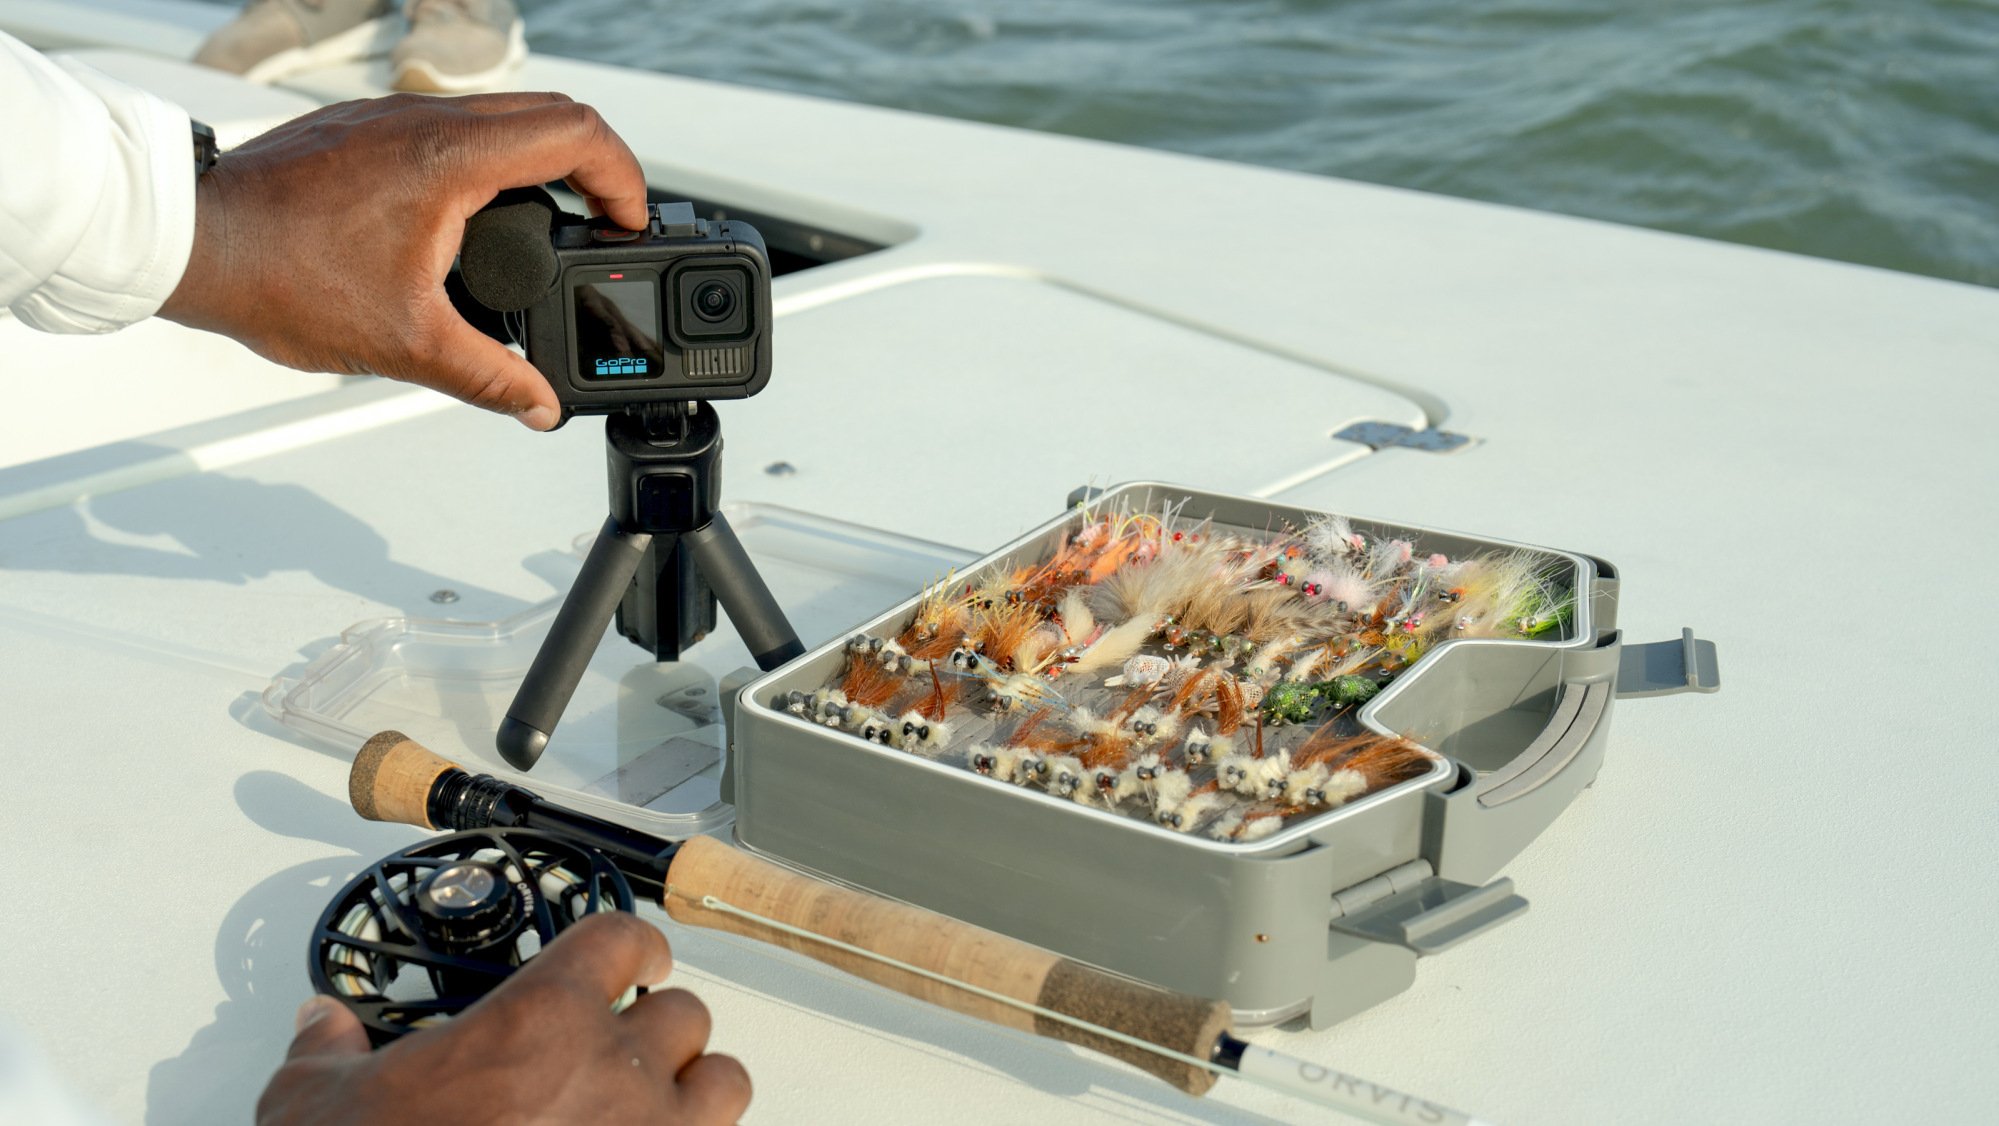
{"points": [[456, 46], [273, 39]]}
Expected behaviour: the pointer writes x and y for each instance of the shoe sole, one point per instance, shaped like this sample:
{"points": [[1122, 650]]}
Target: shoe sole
{"points": [[362, 41], [419, 77]]}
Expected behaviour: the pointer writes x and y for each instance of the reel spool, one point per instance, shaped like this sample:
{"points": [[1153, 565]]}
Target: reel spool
{"points": [[420, 935]]}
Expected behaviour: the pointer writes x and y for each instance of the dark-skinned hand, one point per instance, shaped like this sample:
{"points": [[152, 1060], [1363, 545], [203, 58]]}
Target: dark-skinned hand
{"points": [[544, 1047], [324, 243]]}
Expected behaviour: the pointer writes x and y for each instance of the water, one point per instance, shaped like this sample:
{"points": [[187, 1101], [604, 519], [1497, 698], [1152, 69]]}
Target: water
{"points": [[1862, 131]]}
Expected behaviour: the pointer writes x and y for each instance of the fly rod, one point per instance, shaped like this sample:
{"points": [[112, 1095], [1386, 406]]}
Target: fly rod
{"points": [[1185, 1041]]}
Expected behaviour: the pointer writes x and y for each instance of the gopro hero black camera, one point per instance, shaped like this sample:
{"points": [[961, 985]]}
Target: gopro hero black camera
{"points": [[676, 312]]}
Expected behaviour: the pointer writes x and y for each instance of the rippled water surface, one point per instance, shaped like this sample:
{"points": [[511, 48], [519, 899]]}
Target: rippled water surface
{"points": [[1862, 131], [1867, 131]]}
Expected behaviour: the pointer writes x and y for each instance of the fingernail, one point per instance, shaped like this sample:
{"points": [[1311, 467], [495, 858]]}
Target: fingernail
{"points": [[538, 418], [312, 1012]]}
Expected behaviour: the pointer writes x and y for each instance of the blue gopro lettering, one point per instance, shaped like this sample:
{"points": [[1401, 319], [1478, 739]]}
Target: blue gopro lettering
{"points": [[624, 365]]}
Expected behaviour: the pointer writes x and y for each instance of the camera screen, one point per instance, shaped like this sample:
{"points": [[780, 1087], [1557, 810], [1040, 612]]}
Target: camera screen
{"points": [[617, 328]]}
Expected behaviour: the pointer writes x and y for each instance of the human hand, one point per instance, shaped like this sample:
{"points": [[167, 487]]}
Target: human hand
{"points": [[324, 243], [543, 1047]]}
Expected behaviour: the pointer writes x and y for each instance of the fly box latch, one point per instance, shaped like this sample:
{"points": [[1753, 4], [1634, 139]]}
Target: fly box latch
{"points": [[1661, 668], [1380, 926], [1411, 906]]}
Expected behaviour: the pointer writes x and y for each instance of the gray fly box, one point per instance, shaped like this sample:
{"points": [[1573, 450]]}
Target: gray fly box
{"points": [[1325, 917]]}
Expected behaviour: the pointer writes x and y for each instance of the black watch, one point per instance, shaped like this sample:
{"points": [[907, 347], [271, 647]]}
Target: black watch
{"points": [[205, 152]]}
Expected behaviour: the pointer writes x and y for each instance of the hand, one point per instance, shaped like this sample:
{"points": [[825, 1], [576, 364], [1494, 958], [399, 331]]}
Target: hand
{"points": [[324, 243], [543, 1047]]}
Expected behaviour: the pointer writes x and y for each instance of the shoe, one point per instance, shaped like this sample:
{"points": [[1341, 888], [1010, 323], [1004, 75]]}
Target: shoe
{"points": [[273, 39], [456, 46]]}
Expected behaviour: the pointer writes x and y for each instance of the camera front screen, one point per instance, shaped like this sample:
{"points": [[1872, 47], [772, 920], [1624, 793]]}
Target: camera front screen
{"points": [[617, 327]]}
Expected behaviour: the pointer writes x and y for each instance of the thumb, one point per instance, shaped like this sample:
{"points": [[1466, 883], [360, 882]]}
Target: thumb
{"points": [[466, 364], [327, 1028]]}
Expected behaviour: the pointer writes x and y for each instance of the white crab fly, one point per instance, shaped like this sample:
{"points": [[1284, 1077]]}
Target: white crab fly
{"points": [[1114, 786], [1170, 788], [1030, 769], [1266, 776], [1232, 768], [915, 731], [872, 725], [1068, 779], [1150, 725], [1146, 771], [984, 758], [1183, 816], [1198, 747], [830, 707]]}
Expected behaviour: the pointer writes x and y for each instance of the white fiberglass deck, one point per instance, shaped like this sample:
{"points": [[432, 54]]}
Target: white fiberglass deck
{"points": [[1775, 904]]}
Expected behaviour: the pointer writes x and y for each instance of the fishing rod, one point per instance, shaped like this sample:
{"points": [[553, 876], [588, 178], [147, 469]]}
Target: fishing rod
{"points": [[457, 904]]}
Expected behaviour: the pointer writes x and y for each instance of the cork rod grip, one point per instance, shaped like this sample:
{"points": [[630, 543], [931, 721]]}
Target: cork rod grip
{"points": [[957, 950], [391, 779]]}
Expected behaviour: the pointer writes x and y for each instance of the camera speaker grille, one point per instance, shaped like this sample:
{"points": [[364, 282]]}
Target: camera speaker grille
{"points": [[717, 363]]}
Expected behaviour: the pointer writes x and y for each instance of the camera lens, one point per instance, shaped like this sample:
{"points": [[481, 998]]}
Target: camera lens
{"points": [[714, 301]]}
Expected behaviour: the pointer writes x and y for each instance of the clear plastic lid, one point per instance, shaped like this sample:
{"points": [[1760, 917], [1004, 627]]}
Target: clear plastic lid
{"points": [[641, 741]]}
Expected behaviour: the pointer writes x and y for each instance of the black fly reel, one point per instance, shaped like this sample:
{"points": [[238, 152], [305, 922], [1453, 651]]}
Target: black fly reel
{"points": [[423, 934]]}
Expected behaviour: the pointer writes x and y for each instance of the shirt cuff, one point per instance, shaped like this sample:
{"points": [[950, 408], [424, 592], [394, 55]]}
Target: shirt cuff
{"points": [[141, 232]]}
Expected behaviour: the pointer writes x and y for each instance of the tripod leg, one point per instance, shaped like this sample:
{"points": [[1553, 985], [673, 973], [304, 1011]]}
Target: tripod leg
{"points": [[578, 626], [668, 609], [720, 557]]}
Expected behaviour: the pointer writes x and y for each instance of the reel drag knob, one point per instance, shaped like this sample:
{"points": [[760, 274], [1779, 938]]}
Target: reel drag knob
{"points": [[468, 907]]}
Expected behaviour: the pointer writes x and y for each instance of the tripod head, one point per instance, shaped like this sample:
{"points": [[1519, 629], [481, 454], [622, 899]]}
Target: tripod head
{"points": [[664, 462]]}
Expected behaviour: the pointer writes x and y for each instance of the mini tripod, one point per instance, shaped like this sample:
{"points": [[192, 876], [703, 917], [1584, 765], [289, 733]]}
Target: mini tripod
{"points": [[662, 560]]}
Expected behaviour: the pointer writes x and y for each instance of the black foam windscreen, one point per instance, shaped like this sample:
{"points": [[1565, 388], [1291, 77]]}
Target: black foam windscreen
{"points": [[508, 260]]}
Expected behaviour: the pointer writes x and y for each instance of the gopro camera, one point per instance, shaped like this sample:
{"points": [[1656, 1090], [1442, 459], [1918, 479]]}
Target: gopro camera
{"points": [[676, 312]]}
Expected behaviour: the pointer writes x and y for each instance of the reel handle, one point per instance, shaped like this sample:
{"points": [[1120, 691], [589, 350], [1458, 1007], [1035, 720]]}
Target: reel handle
{"points": [[957, 950], [394, 776]]}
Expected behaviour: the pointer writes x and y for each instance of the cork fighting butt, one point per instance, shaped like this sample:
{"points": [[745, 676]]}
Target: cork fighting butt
{"points": [[392, 779]]}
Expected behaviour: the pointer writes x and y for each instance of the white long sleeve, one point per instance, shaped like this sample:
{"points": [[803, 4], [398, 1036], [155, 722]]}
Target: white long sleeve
{"points": [[96, 195]]}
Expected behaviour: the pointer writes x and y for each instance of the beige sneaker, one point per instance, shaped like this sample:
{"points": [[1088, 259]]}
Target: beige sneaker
{"points": [[457, 46], [273, 39]]}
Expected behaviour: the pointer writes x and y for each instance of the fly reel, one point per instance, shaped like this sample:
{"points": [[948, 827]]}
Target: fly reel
{"points": [[420, 935]]}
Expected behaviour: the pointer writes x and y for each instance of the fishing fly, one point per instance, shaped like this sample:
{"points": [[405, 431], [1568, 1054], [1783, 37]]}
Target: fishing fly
{"points": [[1191, 675]]}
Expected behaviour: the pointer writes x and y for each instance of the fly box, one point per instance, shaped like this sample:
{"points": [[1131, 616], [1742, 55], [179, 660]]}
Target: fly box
{"points": [[1263, 860]]}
